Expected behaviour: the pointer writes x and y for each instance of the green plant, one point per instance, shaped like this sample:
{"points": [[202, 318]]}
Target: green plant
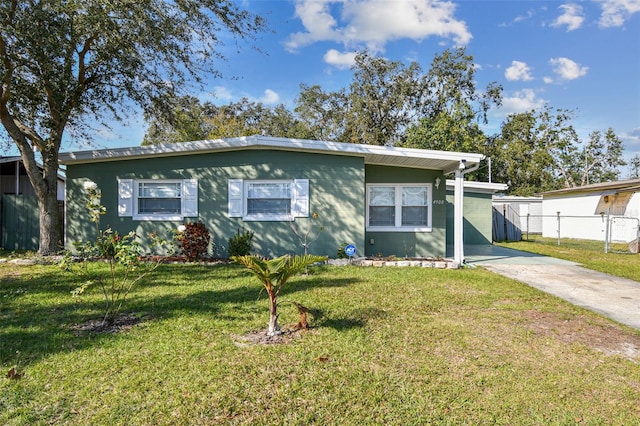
{"points": [[310, 235], [193, 240], [341, 253], [241, 243], [274, 274], [122, 254]]}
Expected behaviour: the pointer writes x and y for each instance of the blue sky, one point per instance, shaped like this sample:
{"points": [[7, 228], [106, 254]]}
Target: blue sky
{"points": [[581, 55]]}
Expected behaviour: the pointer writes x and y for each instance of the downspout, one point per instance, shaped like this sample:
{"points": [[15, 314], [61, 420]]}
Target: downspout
{"points": [[458, 210]]}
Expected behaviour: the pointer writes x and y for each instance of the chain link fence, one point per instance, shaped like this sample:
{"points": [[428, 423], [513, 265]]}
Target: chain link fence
{"points": [[624, 231]]}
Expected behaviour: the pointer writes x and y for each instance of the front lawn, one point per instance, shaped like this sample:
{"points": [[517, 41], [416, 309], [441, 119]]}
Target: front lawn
{"points": [[395, 346], [618, 261]]}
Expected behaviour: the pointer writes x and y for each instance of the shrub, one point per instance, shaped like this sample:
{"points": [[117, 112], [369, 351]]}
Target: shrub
{"points": [[194, 240], [121, 252], [240, 244], [341, 251]]}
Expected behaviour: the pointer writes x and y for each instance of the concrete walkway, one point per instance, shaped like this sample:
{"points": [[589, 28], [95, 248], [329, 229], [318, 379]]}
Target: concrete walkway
{"points": [[616, 298]]}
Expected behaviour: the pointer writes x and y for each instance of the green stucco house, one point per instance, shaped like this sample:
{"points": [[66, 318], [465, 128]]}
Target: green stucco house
{"points": [[384, 200]]}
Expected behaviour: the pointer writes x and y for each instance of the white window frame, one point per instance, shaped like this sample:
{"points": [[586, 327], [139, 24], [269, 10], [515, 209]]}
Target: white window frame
{"points": [[267, 217], [129, 193], [239, 192], [398, 227]]}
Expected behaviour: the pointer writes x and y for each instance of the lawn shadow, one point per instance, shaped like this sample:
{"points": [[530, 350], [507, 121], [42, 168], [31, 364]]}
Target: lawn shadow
{"points": [[55, 322]]}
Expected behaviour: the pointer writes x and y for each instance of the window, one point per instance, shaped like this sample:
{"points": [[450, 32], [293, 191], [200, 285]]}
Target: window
{"points": [[158, 199], [268, 200], [399, 207]]}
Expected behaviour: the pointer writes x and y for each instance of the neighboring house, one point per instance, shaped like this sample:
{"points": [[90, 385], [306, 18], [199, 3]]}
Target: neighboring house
{"points": [[384, 200], [19, 216], [582, 212]]}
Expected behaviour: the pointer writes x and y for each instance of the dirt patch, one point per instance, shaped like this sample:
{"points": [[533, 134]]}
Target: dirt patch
{"points": [[123, 323], [260, 337], [603, 337]]}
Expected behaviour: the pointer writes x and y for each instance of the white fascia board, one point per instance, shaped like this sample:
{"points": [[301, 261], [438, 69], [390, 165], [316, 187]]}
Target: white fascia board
{"points": [[474, 186], [442, 160]]}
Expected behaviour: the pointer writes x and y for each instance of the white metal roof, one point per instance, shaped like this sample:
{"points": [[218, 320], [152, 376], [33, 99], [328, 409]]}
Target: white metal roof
{"points": [[372, 154]]}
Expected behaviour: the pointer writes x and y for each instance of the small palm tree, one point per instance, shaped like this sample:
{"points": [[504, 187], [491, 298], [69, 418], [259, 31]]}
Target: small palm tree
{"points": [[274, 274]]}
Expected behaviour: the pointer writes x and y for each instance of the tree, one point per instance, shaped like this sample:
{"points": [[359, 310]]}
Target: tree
{"points": [[273, 274], [324, 113], [451, 106], [383, 100], [63, 63], [540, 151], [190, 120], [519, 157], [634, 167], [180, 119], [602, 158]]}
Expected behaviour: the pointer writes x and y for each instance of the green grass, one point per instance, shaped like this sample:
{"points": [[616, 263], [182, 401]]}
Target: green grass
{"points": [[588, 253], [397, 346]]}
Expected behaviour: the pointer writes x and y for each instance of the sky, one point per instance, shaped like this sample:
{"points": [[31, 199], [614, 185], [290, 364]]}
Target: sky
{"points": [[580, 55]]}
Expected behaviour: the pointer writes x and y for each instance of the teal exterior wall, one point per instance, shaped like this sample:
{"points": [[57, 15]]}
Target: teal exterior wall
{"points": [[336, 186], [477, 214], [410, 244]]}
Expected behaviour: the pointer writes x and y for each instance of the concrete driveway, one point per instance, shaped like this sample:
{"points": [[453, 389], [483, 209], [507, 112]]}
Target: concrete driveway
{"points": [[613, 297]]}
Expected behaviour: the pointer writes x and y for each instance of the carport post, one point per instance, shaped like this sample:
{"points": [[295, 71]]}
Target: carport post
{"points": [[458, 221]]}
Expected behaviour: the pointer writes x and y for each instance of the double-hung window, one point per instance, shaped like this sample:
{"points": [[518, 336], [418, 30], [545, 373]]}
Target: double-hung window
{"points": [[158, 199], [269, 200], [403, 208]]}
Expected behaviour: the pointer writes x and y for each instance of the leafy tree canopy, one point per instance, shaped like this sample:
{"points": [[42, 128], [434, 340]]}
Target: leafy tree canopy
{"points": [[62, 63]]}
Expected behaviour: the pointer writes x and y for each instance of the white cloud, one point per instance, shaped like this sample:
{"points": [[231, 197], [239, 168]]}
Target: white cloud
{"points": [[567, 69], [518, 71], [547, 80], [222, 93], [616, 12], [572, 17], [269, 97], [373, 23], [338, 59], [521, 101]]}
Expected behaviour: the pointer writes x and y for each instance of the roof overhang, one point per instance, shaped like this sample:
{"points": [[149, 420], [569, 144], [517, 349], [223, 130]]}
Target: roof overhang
{"points": [[479, 187], [603, 188], [372, 154]]}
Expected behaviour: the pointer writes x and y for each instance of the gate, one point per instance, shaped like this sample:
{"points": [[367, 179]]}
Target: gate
{"points": [[506, 223]]}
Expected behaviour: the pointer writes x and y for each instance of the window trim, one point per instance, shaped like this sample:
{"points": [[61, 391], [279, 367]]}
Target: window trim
{"points": [[188, 199], [237, 201], [266, 217], [398, 208]]}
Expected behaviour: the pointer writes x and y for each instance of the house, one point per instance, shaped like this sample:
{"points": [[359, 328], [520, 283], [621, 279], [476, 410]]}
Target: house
{"points": [[384, 200], [589, 212], [19, 216], [478, 200]]}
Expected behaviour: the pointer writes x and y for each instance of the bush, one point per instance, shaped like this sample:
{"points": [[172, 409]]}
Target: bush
{"points": [[341, 252], [240, 244], [194, 240]]}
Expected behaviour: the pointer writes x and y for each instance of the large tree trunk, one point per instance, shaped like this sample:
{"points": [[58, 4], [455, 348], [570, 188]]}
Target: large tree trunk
{"points": [[44, 180], [50, 238]]}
